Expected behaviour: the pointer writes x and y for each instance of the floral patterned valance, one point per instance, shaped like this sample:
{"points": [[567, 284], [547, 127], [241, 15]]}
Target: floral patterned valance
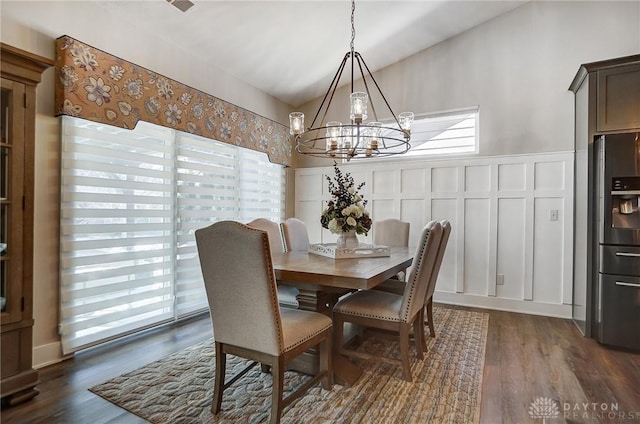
{"points": [[97, 86]]}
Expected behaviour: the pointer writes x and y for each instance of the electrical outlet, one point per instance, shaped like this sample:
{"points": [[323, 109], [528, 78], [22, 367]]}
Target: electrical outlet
{"points": [[500, 279], [553, 214]]}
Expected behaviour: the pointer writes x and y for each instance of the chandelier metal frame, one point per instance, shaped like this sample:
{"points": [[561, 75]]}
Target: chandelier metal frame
{"points": [[357, 138]]}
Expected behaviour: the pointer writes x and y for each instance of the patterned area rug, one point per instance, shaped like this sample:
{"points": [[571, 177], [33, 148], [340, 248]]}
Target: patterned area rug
{"points": [[446, 386]]}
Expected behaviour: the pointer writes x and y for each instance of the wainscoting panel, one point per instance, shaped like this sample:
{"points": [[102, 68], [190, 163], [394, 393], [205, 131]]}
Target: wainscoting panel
{"points": [[412, 181], [511, 248], [511, 244], [452, 264]]}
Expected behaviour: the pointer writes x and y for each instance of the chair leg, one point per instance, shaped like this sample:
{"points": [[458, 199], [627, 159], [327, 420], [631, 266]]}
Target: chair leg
{"points": [[430, 317], [326, 361], [338, 333], [418, 335], [404, 351], [221, 361], [277, 374], [423, 335]]}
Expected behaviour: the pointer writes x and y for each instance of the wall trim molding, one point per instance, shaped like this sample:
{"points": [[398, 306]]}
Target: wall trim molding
{"points": [[48, 354], [508, 305]]}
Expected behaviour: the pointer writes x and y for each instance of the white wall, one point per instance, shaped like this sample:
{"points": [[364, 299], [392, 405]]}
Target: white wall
{"points": [[499, 208], [517, 68]]}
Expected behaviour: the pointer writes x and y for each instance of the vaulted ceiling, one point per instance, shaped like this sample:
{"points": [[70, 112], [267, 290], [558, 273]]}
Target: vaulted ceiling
{"points": [[291, 49]]}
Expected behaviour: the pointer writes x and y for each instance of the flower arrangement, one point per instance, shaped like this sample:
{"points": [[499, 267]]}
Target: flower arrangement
{"points": [[346, 211]]}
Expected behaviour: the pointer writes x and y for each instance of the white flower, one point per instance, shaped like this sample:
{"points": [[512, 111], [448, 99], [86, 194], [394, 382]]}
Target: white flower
{"points": [[357, 198], [351, 221], [333, 226], [358, 211], [351, 190]]}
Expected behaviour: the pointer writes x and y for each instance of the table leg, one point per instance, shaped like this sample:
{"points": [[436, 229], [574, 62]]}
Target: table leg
{"points": [[345, 372]]}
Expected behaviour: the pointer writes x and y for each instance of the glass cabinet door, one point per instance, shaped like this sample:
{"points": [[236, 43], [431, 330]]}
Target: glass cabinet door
{"points": [[11, 199]]}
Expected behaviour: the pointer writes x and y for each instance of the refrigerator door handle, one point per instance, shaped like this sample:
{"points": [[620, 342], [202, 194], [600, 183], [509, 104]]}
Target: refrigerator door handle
{"points": [[628, 254], [625, 193], [623, 283]]}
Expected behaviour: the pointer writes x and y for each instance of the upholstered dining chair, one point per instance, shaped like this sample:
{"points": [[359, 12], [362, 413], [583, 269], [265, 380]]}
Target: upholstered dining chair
{"points": [[446, 231], [246, 318], [398, 287], [287, 295], [393, 312], [272, 229], [295, 235], [393, 233]]}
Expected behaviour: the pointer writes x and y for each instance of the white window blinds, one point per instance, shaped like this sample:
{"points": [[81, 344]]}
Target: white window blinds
{"points": [[442, 133], [131, 202], [452, 132]]}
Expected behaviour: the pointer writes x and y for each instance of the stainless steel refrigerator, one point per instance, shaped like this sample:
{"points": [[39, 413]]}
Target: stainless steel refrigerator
{"points": [[617, 245]]}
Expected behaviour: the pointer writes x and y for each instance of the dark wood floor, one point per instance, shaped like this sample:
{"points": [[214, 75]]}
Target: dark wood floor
{"points": [[527, 357]]}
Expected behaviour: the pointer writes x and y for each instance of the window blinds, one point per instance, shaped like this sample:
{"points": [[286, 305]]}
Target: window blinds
{"points": [[130, 204]]}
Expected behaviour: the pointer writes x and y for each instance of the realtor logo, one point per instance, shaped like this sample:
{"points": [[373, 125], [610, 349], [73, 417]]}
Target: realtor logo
{"points": [[544, 408]]}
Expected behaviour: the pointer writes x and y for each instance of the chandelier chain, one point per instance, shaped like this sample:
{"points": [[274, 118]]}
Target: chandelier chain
{"points": [[353, 24]]}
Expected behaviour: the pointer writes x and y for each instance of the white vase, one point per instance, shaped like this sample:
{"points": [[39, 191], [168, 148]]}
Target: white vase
{"points": [[347, 240]]}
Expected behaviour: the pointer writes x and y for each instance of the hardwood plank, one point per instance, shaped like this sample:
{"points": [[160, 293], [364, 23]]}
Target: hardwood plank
{"points": [[527, 357]]}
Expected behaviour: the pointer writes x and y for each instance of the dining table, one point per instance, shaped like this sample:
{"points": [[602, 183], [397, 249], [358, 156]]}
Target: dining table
{"points": [[322, 280]]}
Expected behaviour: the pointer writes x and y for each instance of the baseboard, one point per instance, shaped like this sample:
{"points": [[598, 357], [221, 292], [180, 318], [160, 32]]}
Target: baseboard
{"points": [[500, 304], [48, 354]]}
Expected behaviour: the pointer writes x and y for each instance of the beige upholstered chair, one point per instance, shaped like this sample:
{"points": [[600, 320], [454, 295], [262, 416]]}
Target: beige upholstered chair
{"points": [[393, 233], [398, 287], [446, 231], [390, 311], [247, 321], [272, 229], [295, 235], [287, 295]]}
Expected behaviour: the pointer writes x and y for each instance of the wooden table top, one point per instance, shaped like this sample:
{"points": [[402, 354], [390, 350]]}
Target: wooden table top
{"points": [[352, 273]]}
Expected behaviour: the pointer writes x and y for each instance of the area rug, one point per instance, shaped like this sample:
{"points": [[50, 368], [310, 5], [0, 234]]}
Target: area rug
{"points": [[446, 384]]}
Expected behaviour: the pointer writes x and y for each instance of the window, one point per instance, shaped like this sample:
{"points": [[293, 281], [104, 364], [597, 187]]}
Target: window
{"points": [[452, 132], [131, 202], [445, 133]]}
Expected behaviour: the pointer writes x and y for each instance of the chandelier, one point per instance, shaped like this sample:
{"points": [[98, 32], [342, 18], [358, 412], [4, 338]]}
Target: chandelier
{"points": [[358, 137]]}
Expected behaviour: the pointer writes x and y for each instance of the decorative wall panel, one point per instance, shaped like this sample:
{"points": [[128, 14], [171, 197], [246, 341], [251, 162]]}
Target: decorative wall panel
{"points": [[444, 179], [547, 264], [412, 181], [549, 176], [412, 210], [477, 178], [511, 177], [97, 86], [500, 211], [511, 247], [476, 261], [383, 182]]}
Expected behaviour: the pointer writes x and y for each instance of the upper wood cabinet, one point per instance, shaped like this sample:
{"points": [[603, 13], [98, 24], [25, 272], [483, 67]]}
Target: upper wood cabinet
{"points": [[21, 72], [618, 98]]}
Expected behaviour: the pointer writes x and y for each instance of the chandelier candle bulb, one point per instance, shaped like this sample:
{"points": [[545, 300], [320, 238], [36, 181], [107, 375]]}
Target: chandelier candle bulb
{"points": [[359, 102], [347, 137], [296, 123], [406, 120], [334, 129]]}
